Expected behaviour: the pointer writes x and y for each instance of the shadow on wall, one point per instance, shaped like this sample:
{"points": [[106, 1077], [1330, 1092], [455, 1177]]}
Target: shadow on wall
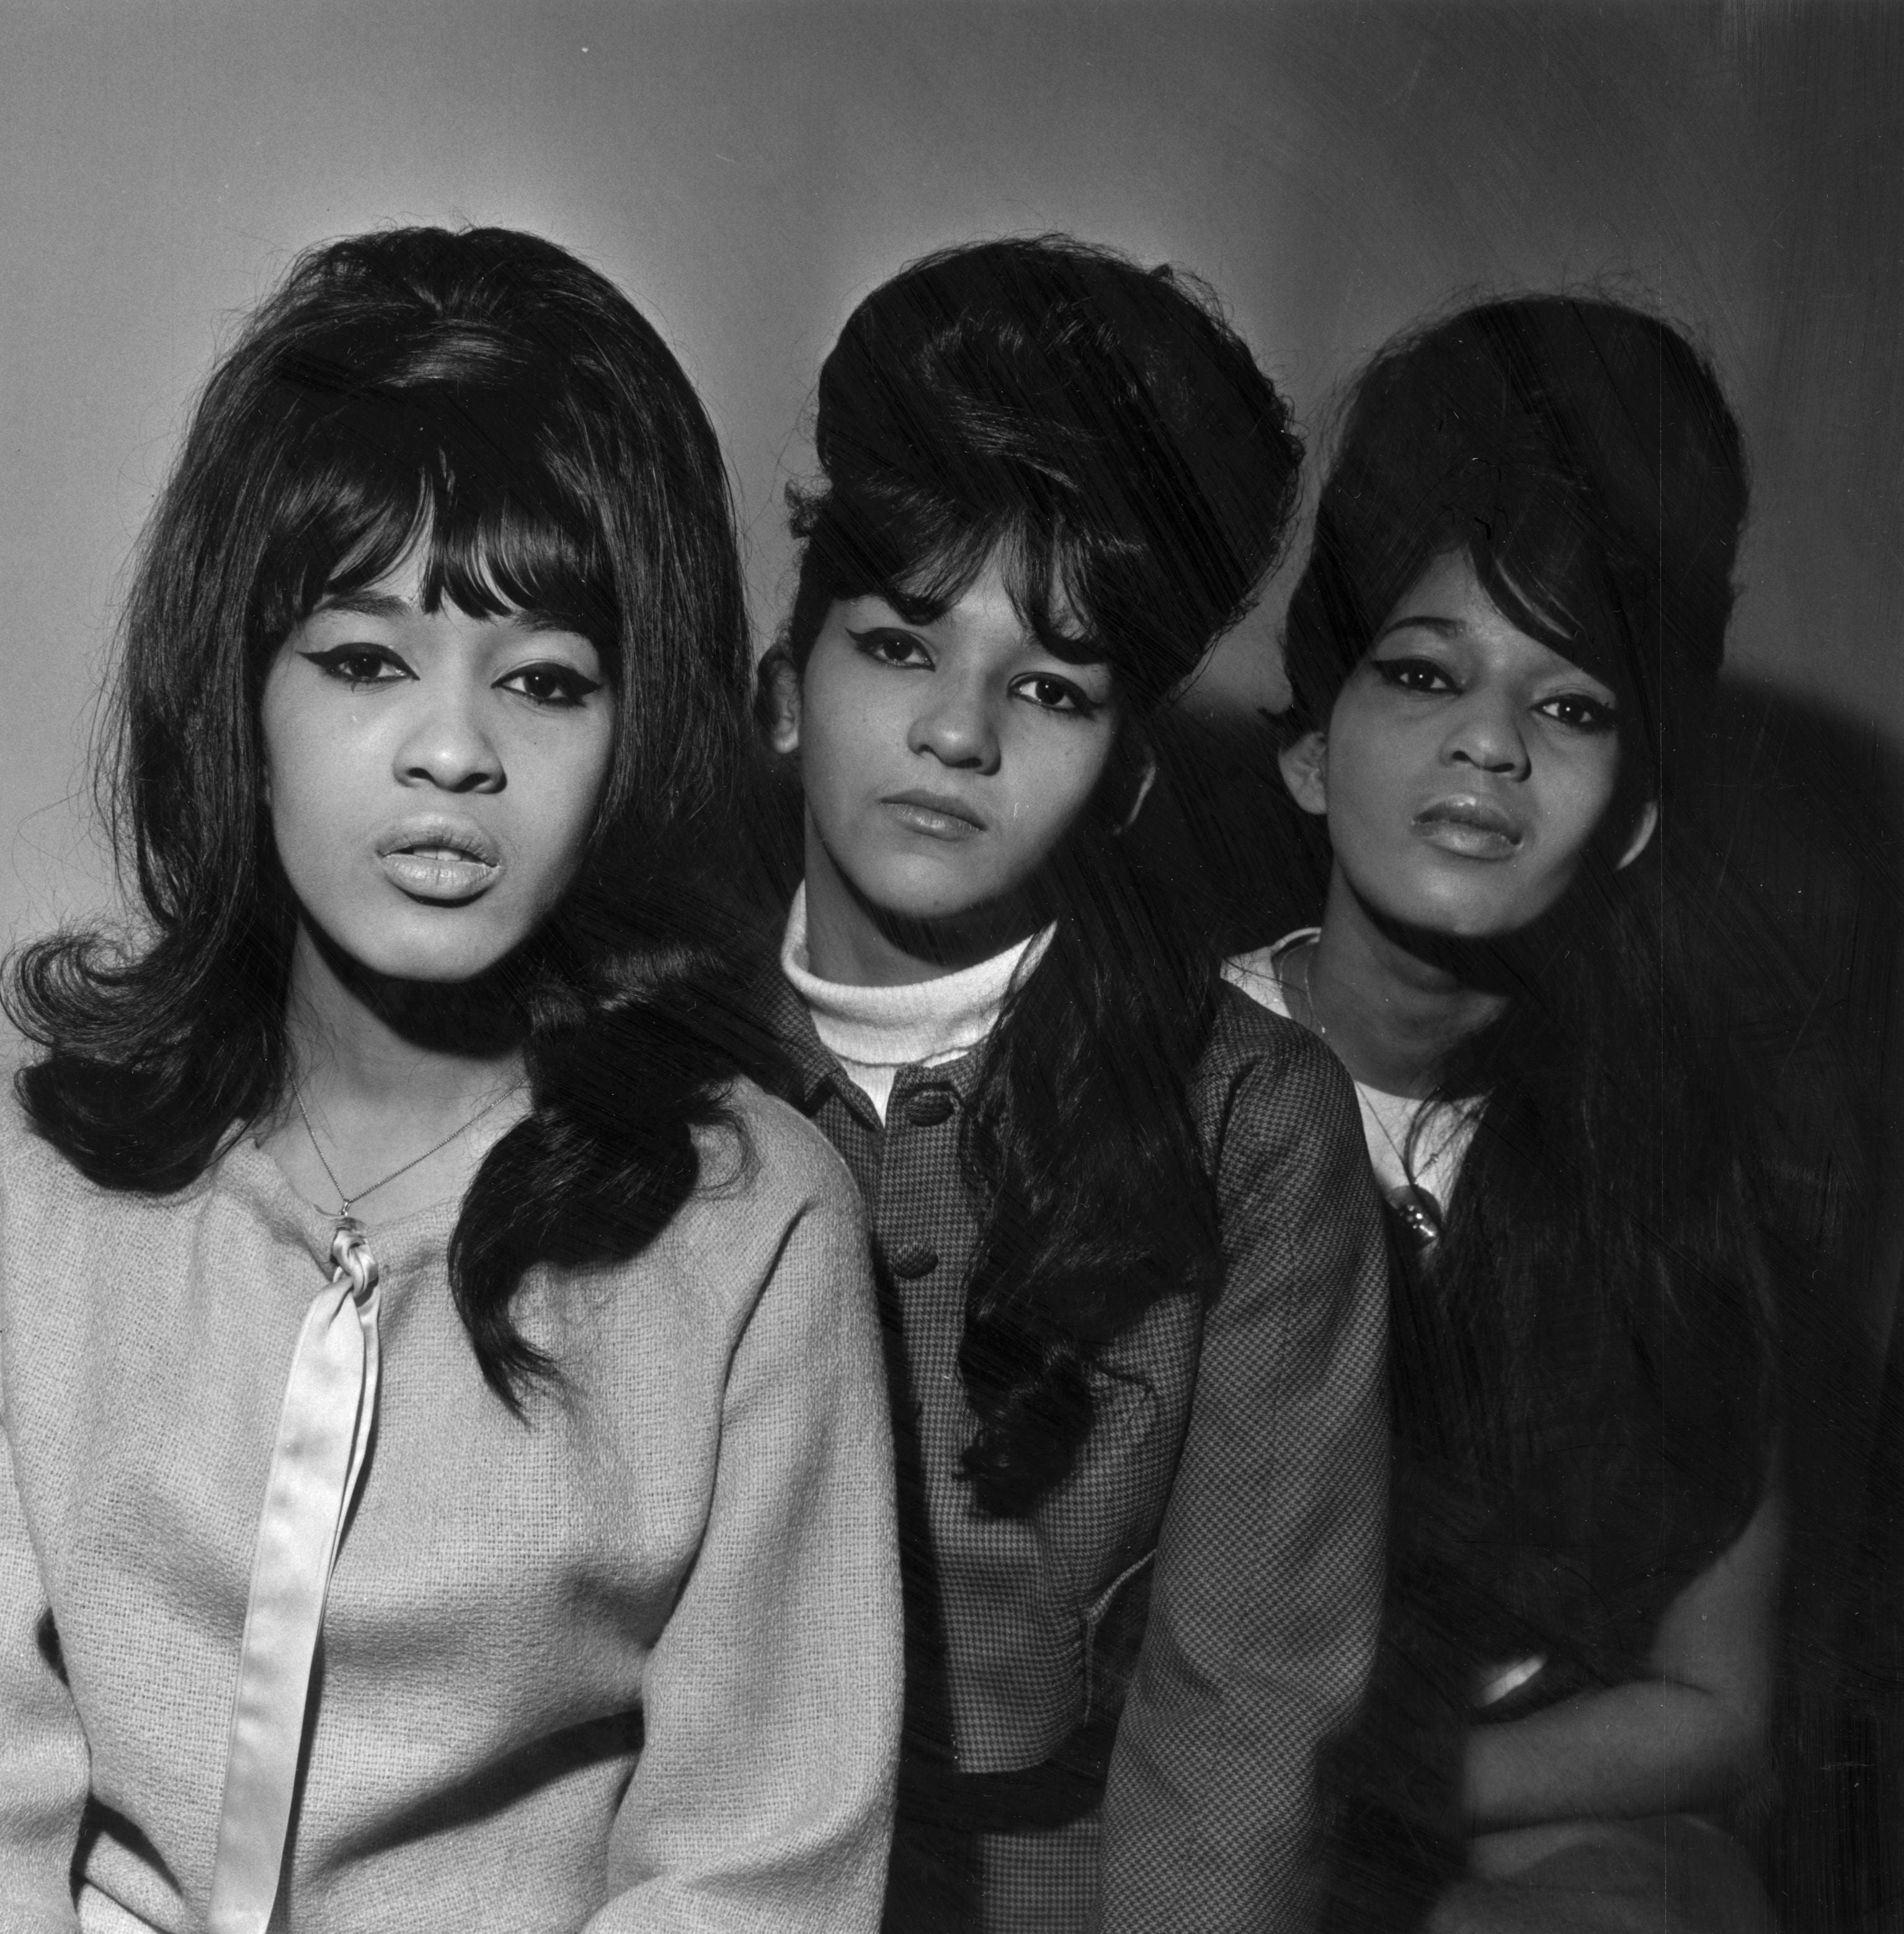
{"points": [[1805, 808]]}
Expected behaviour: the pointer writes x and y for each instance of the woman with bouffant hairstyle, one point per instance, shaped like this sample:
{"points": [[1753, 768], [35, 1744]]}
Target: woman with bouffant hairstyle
{"points": [[1501, 651], [1133, 1278], [447, 1479]]}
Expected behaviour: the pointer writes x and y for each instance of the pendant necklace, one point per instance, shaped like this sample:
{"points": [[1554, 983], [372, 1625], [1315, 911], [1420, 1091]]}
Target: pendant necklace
{"points": [[1415, 1207], [342, 1214]]}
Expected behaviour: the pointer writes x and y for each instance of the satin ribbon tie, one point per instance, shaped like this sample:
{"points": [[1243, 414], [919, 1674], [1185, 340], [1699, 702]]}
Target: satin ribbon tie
{"points": [[324, 1430]]}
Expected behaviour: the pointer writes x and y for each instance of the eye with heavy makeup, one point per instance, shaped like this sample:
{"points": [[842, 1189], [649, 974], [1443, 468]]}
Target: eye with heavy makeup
{"points": [[1083, 688], [546, 681], [1581, 702]]}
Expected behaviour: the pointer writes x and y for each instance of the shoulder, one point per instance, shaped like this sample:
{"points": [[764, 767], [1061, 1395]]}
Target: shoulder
{"points": [[768, 1161], [1259, 972], [773, 1213], [789, 1156], [774, 1233], [58, 1227], [1254, 974], [33, 1173], [1275, 1073]]}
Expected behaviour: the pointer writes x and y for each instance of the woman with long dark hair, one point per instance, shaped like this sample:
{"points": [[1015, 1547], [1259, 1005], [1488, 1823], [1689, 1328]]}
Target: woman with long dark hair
{"points": [[448, 1482], [1131, 1265], [1500, 652]]}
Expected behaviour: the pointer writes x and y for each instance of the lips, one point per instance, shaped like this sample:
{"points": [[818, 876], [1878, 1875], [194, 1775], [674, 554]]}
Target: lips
{"points": [[442, 860], [935, 815], [1473, 827]]}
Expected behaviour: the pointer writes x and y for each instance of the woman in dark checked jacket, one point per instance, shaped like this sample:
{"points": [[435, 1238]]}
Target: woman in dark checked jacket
{"points": [[1128, 1251]]}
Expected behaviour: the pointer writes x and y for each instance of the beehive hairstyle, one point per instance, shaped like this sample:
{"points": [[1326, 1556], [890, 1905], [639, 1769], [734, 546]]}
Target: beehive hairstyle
{"points": [[1100, 432], [1596, 1303], [1580, 454], [483, 400]]}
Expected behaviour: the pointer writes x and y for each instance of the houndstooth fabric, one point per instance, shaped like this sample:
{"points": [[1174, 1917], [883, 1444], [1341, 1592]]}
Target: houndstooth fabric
{"points": [[1203, 1586]]}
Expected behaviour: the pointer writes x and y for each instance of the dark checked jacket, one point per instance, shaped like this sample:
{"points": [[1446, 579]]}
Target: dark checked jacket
{"points": [[1114, 1707]]}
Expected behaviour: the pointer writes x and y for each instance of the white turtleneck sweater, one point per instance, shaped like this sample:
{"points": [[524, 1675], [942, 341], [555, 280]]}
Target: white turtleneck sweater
{"points": [[875, 1032]]}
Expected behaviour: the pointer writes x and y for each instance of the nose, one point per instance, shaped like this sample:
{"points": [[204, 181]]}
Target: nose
{"points": [[448, 747], [956, 726], [1486, 732]]}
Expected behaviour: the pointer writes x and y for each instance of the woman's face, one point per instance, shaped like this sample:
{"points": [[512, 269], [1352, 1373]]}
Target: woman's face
{"points": [[942, 763], [433, 777], [1466, 768]]}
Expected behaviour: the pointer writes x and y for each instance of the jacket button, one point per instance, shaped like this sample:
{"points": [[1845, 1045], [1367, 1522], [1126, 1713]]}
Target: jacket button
{"points": [[927, 1107], [913, 1260]]}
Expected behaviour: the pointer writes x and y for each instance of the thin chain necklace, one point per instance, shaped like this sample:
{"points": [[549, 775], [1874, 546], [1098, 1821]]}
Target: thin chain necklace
{"points": [[342, 1213], [1419, 1208]]}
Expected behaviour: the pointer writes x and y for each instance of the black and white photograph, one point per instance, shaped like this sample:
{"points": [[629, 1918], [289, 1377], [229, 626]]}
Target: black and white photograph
{"points": [[952, 967]]}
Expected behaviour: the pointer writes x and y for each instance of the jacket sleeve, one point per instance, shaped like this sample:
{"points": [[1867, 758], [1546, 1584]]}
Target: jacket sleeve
{"points": [[762, 1796], [43, 1763], [1265, 1597]]}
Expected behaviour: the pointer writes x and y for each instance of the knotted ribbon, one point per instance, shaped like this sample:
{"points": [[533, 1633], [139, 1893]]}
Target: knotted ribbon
{"points": [[324, 1430]]}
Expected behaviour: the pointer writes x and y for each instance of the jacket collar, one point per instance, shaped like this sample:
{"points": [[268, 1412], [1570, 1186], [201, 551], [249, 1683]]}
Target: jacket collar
{"points": [[812, 1068], [815, 1072]]}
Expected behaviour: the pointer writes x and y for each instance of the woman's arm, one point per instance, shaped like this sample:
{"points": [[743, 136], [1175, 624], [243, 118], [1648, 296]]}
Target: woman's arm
{"points": [[43, 1763], [762, 1796], [1685, 1740], [1264, 1606]]}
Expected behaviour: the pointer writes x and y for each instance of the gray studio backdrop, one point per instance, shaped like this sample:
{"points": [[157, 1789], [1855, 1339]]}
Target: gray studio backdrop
{"points": [[747, 171]]}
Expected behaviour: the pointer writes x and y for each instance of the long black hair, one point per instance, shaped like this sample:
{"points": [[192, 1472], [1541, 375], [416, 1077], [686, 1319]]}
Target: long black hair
{"points": [[1580, 454], [1101, 432], [486, 397], [1581, 1366]]}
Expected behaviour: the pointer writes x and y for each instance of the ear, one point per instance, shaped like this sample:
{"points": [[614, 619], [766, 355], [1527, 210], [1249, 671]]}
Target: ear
{"points": [[776, 701], [1305, 766], [1644, 829], [1146, 778]]}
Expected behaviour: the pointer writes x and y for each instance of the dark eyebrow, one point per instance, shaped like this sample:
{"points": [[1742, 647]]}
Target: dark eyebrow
{"points": [[915, 614], [1442, 627], [1079, 651], [366, 604], [918, 614], [545, 621], [383, 604]]}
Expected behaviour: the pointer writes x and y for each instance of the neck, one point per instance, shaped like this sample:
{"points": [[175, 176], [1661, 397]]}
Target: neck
{"points": [[851, 941], [384, 1070], [357, 1037], [1394, 1008]]}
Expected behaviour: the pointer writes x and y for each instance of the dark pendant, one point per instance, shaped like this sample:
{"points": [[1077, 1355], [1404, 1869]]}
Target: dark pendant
{"points": [[1419, 1213]]}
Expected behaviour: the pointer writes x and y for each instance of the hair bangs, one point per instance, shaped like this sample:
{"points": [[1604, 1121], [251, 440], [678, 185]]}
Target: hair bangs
{"points": [[922, 553], [464, 482], [1045, 570], [518, 553], [925, 583], [1545, 570]]}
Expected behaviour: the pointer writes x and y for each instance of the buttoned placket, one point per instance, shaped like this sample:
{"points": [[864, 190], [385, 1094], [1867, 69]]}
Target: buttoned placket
{"points": [[923, 1223]]}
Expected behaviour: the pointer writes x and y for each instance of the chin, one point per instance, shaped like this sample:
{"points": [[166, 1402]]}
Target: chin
{"points": [[1459, 902], [1466, 921], [444, 957], [925, 894], [434, 970]]}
